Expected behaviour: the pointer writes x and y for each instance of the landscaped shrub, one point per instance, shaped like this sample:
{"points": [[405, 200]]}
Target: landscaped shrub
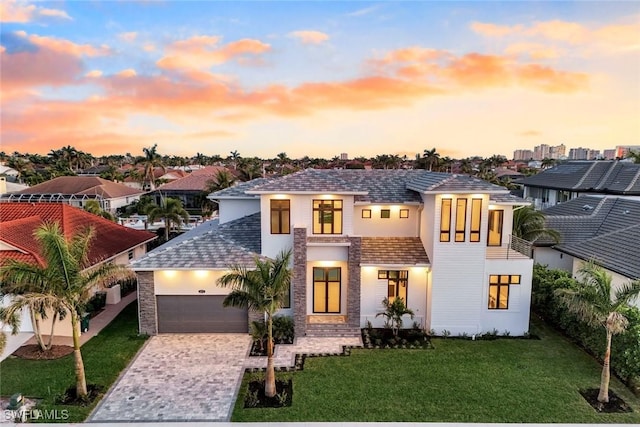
{"points": [[283, 333], [96, 303], [127, 286], [283, 329], [625, 348]]}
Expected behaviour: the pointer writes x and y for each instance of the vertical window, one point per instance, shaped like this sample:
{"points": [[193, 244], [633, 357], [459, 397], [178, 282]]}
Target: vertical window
{"points": [[476, 217], [280, 216], [499, 290], [397, 283], [385, 213], [461, 219], [130, 254], [327, 217], [494, 235], [445, 221], [404, 213], [326, 290], [366, 213]]}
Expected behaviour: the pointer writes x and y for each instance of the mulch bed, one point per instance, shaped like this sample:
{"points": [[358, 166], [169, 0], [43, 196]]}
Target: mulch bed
{"points": [[261, 350], [34, 352], [384, 338], [614, 405], [255, 397], [94, 392]]}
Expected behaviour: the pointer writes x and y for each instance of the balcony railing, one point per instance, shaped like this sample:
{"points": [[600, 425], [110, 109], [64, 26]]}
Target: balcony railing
{"points": [[517, 248]]}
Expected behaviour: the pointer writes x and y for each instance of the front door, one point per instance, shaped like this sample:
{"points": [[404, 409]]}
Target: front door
{"points": [[326, 289]]}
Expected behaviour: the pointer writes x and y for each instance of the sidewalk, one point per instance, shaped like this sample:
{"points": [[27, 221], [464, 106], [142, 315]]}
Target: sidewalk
{"points": [[96, 323]]}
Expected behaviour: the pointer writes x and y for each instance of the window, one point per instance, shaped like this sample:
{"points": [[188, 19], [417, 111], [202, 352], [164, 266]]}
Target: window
{"points": [[130, 254], [280, 216], [327, 217], [397, 283], [494, 236], [366, 213], [461, 219], [499, 290], [404, 213], [476, 216], [445, 221], [326, 289], [385, 213]]}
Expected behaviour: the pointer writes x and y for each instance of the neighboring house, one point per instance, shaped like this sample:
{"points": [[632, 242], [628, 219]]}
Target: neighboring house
{"points": [[76, 190], [189, 190], [159, 175], [569, 180], [7, 187], [440, 241], [605, 229], [10, 173], [112, 242]]}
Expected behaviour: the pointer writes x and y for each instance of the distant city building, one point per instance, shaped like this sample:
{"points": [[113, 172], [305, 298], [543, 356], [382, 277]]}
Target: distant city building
{"points": [[558, 152], [522, 155], [609, 154], [344, 156], [623, 150], [581, 153], [540, 152]]}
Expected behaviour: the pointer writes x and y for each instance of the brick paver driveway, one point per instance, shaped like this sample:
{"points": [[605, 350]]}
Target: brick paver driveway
{"points": [[179, 377]]}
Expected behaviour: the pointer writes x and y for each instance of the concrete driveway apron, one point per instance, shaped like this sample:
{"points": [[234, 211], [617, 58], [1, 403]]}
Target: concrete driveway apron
{"points": [[179, 377]]}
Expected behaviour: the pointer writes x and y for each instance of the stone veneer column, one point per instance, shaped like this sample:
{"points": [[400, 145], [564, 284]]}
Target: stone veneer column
{"points": [[353, 288], [300, 281], [147, 309]]}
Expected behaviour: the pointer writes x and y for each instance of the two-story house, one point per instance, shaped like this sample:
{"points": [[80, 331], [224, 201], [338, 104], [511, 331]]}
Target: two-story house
{"points": [[441, 242]]}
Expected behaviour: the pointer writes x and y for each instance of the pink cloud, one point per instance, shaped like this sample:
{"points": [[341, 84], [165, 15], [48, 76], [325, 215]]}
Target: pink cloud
{"points": [[23, 12], [310, 36]]}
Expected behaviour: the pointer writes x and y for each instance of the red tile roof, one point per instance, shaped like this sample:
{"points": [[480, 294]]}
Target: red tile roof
{"points": [[18, 221], [82, 185], [195, 181]]}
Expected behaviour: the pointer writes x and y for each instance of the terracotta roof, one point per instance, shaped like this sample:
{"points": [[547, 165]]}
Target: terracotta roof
{"points": [[82, 185], [195, 181], [393, 251], [20, 220]]}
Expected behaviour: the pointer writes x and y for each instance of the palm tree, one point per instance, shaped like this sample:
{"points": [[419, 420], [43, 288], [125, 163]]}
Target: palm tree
{"points": [[171, 211], [593, 303], [64, 281], [223, 179], [93, 206], [634, 155], [431, 158], [528, 224], [265, 289], [150, 161]]}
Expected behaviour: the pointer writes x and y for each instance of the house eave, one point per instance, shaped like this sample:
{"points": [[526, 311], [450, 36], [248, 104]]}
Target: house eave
{"points": [[342, 193]]}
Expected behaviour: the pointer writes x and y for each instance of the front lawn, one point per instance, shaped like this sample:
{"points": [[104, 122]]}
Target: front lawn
{"points": [[105, 355], [502, 381]]}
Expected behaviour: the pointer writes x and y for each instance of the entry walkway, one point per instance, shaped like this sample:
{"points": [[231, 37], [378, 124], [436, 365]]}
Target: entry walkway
{"points": [[194, 377]]}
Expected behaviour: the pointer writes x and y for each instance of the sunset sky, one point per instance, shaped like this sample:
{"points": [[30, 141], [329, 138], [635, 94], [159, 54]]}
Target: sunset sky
{"points": [[318, 78]]}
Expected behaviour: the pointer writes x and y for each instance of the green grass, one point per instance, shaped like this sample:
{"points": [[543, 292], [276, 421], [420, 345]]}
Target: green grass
{"points": [[507, 380], [105, 356]]}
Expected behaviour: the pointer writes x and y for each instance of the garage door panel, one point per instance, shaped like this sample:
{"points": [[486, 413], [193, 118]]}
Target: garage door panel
{"points": [[199, 313]]}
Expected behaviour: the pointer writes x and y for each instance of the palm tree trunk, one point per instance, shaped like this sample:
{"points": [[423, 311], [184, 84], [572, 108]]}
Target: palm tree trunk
{"points": [[81, 381], [53, 324], [167, 224], [36, 329], [270, 379], [603, 396]]}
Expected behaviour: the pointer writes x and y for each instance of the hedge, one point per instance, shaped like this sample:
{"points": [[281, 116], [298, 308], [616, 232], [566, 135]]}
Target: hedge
{"points": [[625, 348]]}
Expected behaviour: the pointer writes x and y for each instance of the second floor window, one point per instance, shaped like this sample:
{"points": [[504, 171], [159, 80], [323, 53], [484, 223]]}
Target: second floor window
{"points": [[327, 217], [461, 219], [280, 216], [476, 217], [445, 221]]}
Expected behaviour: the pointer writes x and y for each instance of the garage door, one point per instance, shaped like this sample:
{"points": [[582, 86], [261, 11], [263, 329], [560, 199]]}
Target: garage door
{"points": [[199, 313]]}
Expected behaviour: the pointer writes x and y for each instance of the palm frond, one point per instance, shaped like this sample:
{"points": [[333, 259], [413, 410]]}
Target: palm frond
{"points": [[627, 293]]}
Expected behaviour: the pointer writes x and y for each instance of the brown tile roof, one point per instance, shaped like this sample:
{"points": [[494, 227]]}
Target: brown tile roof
{"points": [[82, 185], [393, 250], [195, 181], [19, 221]]}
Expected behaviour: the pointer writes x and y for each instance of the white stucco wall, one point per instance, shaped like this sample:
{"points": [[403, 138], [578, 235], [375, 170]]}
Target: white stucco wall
{"points": [[616, 279], [553, 259], [230, 209], [374, 290], [386, 227], [25, 320], [188, 282]]}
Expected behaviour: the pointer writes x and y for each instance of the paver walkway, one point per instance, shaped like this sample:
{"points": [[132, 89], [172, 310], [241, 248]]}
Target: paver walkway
{"points": [[194, 377]]}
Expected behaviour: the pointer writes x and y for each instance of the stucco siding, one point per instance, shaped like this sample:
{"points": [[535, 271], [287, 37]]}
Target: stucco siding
{"points": [[386, 227], [229, 209], [553, 259]]}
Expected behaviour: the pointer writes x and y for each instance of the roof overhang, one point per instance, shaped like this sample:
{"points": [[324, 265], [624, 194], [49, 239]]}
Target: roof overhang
{"points": [[344, 193], [363, 203], [369, 264], [464, 192]]}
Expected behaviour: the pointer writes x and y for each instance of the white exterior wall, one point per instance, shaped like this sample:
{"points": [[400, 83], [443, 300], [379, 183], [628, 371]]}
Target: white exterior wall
{"points": [[188, 282], [301, 216], [374, 290], [230, 209], [553, 259], [515, 319], [386, 227], [616, 279]]}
